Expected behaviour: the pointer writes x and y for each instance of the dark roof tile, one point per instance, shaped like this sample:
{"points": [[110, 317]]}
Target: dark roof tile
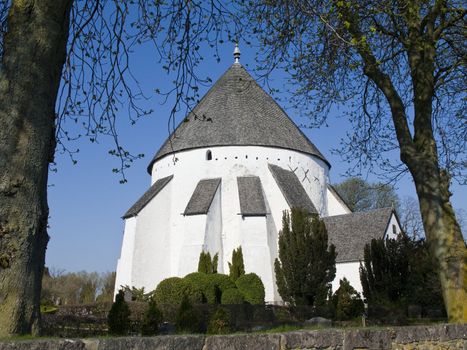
{"points": [[292, 189], [147, 196], [350, 232], [237, 111], [250, 193], [202, 197]]}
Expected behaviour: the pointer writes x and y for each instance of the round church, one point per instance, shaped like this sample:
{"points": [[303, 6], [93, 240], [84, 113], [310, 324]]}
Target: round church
{"points": [[223, 179]]}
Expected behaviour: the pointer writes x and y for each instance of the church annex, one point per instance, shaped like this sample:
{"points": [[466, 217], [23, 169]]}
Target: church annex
{"points": [[223, 179]]}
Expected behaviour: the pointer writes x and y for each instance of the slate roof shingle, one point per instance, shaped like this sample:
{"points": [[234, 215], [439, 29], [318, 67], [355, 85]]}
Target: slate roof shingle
{"points": [[202, 197], [147, 196], [250, 193], [350, 232], [292, 189], [237, 111]]}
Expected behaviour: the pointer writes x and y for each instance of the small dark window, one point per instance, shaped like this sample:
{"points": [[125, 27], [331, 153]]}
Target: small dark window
{"points": [[208, 155], [394, 229]]}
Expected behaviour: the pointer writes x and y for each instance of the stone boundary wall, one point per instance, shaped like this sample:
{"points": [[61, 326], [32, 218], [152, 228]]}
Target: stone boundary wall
{"points": [[442, 337]]}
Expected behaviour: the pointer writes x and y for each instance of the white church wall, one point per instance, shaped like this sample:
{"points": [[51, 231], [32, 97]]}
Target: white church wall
{"points": [[256, 252], [247, 160], [393, 228], [349, 270], [213, 235], [168, 243], [153, 241], [335, 207], [192, 243], [125, 262], [229, 162], [273, 234]]}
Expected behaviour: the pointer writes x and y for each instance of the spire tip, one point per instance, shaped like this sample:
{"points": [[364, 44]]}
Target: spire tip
{"points": [[236, 54]]}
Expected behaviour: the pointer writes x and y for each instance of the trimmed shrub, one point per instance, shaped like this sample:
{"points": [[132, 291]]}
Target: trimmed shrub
{"points": [[205, 262], [347, 301], [219, 322], [252, 288], [118, 318], [237, 267], [211, 286], [215, 262], [201, 283], [172, 291], [188, 319], [151, 319], [220, 283], [232, 296]]}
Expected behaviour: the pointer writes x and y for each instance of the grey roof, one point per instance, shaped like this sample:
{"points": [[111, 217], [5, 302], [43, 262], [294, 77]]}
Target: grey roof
{"points": [[237, 111], [147, 196], [202, 197], [350, 232], [338, 197], [251, 197], [292, 189]]}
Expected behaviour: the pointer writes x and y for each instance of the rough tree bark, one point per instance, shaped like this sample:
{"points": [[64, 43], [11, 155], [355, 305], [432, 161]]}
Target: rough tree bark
{"points": [[30, 71], [419, 152]]}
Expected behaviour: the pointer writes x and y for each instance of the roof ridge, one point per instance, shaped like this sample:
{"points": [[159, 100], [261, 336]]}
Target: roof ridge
{"points": [[356, 213]]}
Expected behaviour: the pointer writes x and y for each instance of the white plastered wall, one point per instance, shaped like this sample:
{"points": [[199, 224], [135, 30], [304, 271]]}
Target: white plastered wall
{"points": [[335, 207], [153, 241], [393, 228], [213, 235], [160, 242], [161, 222], [125, 262], [349, 270]]}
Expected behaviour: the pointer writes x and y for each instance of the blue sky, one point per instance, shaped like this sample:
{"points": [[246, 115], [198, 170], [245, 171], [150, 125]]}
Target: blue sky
{"points": [[86, 200]]}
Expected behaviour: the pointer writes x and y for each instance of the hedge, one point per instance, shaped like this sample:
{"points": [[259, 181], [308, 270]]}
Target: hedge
{"points": [[252, 288], [172, 291], [232, 296]]}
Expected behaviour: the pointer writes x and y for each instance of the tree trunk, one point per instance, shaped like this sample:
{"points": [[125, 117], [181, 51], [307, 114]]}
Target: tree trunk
{"points": [[30, 71], [444, 236]]}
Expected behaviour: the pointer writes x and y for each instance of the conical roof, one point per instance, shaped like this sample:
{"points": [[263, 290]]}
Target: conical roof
{"points": [[236, 111]]}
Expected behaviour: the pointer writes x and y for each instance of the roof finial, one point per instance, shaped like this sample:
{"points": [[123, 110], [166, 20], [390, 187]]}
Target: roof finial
{"points": [[237, 53]]}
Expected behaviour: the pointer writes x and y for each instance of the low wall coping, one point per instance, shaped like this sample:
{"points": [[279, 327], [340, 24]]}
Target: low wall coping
{"points": [[445, 336]]}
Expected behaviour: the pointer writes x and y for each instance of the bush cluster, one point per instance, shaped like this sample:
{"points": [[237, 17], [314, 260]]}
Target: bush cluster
{"points": [[251, 288], [174, 289], [232, 296], [215, 288]]}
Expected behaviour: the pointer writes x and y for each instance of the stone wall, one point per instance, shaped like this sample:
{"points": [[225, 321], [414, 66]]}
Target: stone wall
{"points": [[436, 337]]}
